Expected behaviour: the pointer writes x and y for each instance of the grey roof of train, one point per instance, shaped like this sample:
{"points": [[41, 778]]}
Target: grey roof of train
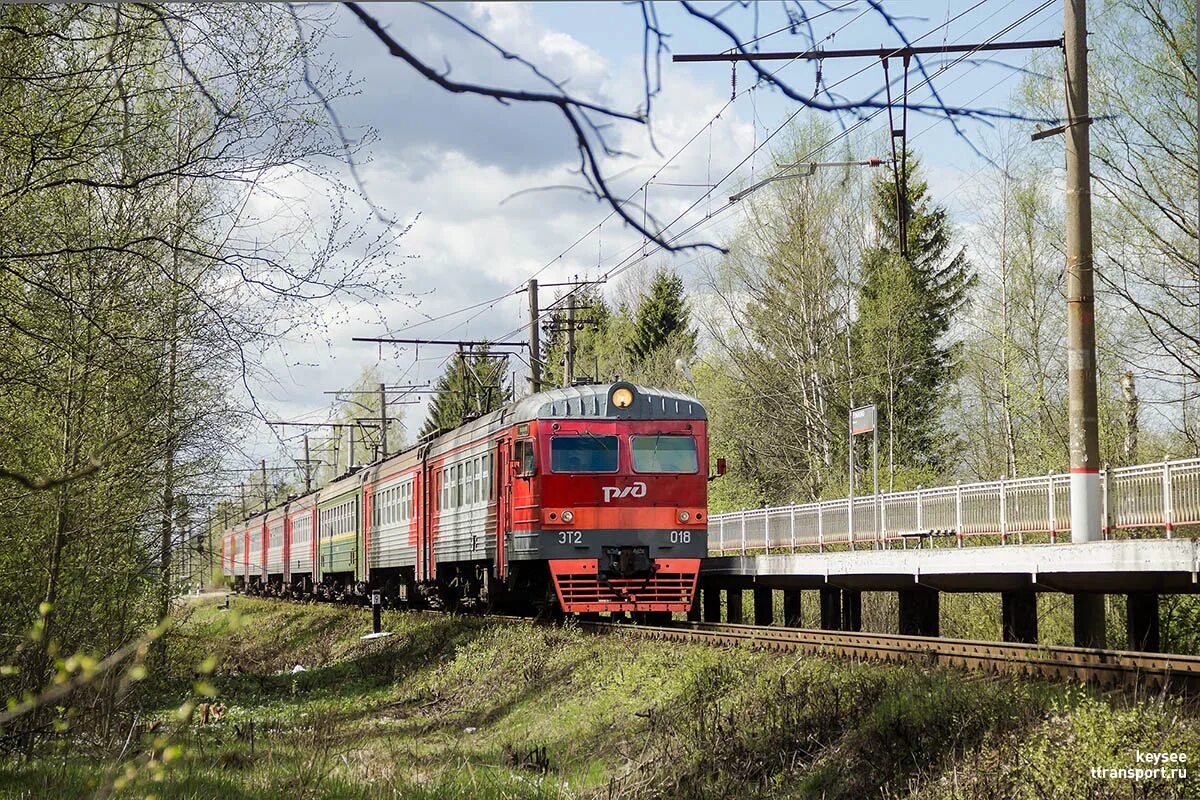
{"points": [[571, 402], [591, 400]]}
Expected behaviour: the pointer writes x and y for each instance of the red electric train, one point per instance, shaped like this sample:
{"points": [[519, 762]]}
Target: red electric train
{"points": [[583, 499]]}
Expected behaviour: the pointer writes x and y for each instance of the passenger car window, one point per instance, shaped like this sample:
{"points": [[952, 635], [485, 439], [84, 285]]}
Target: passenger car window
{"points": [[583, 454], [663, 453]]}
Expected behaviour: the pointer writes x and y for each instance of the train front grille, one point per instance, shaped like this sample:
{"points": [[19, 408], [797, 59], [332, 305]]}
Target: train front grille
{"points": [[665, 585]]}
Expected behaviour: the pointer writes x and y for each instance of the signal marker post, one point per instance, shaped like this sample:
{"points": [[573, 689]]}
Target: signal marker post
{"points": [[377, 631]]}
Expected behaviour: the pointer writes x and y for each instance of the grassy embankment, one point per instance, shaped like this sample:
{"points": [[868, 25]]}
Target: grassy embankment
{"points": [[463, 707]]}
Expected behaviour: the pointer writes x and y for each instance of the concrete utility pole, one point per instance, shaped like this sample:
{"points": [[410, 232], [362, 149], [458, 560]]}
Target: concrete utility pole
{"points": [[337, 446], [243, 488], [266, 497], [569, 359], [307, 467], [1081, 305], [535, 348], [383, 421], [212, 566], [1084, 442]]}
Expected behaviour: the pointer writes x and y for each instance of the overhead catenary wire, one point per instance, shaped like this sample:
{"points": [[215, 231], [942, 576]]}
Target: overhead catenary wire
{"points": [[484, 306], [627, 262], [849, 130]]}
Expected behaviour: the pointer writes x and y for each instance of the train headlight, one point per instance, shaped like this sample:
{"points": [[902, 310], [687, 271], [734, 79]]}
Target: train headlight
{"points": [[568, 516], [684, 516], [622, 397]]}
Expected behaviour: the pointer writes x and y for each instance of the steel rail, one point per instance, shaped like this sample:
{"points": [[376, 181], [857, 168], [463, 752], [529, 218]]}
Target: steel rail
{"points": [[1124, 669], [1107, 668]]}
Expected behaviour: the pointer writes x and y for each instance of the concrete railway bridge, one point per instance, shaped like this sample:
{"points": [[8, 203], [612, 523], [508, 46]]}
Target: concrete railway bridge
{"points": [[1007, 536]]}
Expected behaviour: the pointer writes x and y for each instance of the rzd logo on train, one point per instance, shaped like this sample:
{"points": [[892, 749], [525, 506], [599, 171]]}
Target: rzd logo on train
{"points": [[637, 489]]}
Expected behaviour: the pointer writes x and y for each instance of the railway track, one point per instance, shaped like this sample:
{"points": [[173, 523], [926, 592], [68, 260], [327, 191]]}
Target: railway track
{"points": [[1106, 668], [1124, 669]]}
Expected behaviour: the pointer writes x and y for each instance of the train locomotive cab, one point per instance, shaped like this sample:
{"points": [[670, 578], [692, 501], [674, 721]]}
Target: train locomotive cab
{"points": [[609, 488]]}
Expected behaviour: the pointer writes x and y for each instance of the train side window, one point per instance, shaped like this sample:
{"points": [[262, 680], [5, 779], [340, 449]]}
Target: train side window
{"points": [[523, 456]]}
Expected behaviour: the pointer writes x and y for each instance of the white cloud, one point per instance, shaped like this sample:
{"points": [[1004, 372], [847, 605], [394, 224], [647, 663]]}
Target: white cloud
{"points": [[458, 162]]}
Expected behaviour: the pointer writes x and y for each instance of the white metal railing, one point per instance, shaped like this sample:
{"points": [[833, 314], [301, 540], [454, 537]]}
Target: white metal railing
{"points": [[1163, 495]]}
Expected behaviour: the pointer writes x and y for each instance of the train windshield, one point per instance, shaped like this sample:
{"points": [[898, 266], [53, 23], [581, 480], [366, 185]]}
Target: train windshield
{"points": [[664, 453], [583, 453]]}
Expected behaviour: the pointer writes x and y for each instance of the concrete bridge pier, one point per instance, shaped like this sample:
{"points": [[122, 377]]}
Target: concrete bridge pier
{"points": [[764, 606], [1089, 620], [919, 612], [792, 617], [851, 610], [1141, 618], [1019, 621], [831, 608], [733, 607], [712, 604]]}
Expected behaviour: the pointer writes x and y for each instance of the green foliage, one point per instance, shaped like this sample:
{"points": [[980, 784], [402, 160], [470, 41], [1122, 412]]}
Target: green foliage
{"points": [[906, 306], [661, 316], [471, 385], [137, 296], [470, 707], [778, 378]]}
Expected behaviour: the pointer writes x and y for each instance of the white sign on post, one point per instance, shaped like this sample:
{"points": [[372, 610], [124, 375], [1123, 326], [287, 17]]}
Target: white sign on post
{"points": [[862, 420]]}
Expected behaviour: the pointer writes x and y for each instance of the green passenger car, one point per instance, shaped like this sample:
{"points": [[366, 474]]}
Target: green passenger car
{"points": [[340, 545]]}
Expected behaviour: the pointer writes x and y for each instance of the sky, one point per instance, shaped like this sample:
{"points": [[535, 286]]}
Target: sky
{"points": [[476, 174]]}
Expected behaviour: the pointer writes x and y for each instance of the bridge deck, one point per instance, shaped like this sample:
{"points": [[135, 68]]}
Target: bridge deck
{"points": [[1146, 565]]}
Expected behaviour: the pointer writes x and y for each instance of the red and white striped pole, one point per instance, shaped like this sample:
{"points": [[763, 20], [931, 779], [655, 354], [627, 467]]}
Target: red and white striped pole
{"points": [[1082, 420]]}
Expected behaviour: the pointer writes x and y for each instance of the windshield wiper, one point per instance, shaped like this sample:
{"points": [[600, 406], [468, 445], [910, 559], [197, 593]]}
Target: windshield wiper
{"points": [[598, 439]]}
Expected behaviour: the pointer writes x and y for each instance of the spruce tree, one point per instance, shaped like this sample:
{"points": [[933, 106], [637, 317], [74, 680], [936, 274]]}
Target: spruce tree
{"points": [[906, 306], [471, 385], [661, 315]]}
